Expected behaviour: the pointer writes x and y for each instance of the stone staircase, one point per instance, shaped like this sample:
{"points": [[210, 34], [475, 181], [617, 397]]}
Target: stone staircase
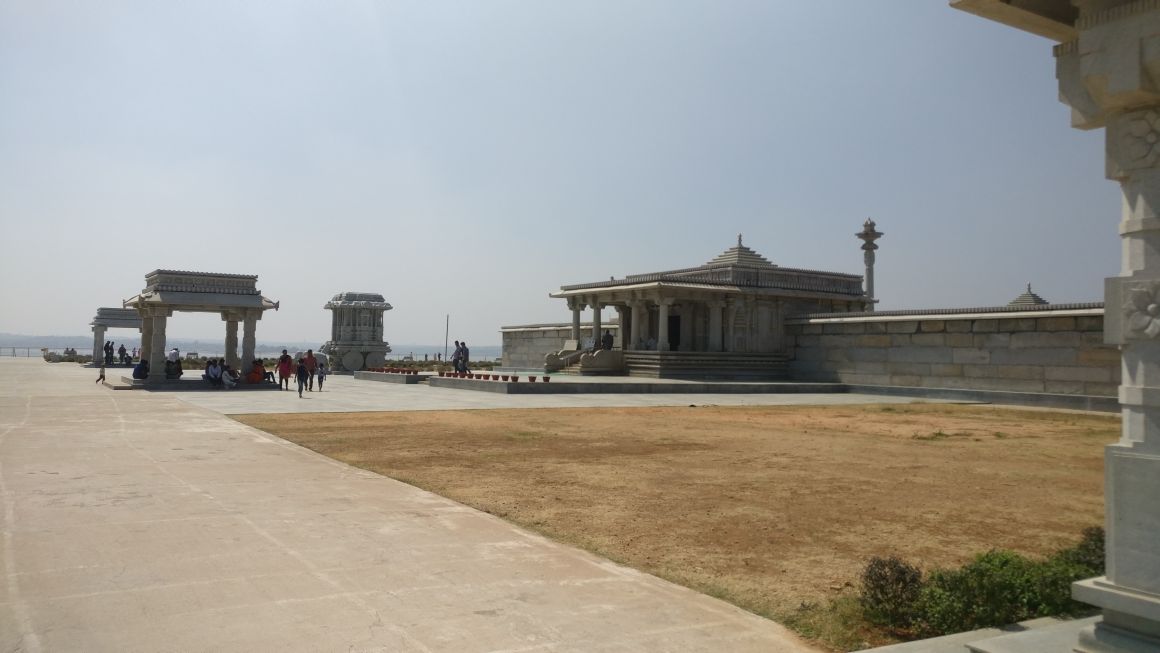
{"points": [[707, 365]]}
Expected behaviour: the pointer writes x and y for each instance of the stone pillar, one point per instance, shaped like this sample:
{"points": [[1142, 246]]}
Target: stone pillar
{"points": [[663, 324], [730, 323], [868, 235], [249, 341], [231, 341], [715, 335], [98, 344], [596, 328], [623, 320], [1110, 76], [146, 337], [637, 307], [576, 306], [157, 348]]}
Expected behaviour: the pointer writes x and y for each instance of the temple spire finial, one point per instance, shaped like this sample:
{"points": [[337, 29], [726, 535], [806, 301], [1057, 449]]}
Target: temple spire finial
{"points": [[739, 240]]}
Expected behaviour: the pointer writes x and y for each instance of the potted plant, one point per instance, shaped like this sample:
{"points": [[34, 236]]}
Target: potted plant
{"points": [[531, 378], [547, 378]]}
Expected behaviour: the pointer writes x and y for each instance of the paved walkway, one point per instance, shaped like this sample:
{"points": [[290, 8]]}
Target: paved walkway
{"points": [[141, 521]]}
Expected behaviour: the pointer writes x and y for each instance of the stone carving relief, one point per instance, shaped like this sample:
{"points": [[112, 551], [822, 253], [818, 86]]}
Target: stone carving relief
{"points": [[1142, 310]]}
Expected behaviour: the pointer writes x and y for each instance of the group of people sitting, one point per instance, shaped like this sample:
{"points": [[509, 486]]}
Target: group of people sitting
{"points": [[219, 374]]}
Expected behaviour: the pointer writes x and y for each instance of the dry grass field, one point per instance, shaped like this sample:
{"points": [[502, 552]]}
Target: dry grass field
{"points": [[767, 507]]}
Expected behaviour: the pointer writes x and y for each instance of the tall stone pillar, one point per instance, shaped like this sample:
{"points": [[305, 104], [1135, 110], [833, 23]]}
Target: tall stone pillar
{"points": [[249, 341], [730, 324], [663, 324], [98, 344], [715, 335], [1108, 67], [623, 321], [637, 306], [146, 337], [596, 327], [157, 348], [868, 235], [231, 340], [576, 306]]}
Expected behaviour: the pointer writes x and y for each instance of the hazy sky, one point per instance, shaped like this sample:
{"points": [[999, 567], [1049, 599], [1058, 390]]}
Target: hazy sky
{"points": [[469, 157]]}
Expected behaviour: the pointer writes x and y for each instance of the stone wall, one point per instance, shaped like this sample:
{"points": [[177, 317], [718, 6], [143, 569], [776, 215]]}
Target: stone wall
{"points": [[524, 346], [1040, 351]]}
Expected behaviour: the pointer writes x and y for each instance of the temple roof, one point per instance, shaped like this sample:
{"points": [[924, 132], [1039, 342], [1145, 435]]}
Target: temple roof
{"points": [[358, 300], [736, 268], [741, 255], [200, 291], [1054, 19], [1028, 299]]}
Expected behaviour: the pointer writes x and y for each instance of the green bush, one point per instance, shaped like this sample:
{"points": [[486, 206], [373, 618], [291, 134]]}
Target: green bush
{"points": [[890, 589], [995, 589], [1089, 553]]}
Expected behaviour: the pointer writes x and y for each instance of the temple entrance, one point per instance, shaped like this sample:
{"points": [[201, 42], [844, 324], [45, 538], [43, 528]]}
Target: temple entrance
{"points": [[674, 333]]}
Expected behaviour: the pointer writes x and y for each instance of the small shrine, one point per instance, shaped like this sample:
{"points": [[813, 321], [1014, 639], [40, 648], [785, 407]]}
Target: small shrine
{"points": [[356, 331]]}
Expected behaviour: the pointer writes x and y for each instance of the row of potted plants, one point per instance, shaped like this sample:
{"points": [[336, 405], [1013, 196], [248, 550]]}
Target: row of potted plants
{"points": [[393, 370], [515, 378]]}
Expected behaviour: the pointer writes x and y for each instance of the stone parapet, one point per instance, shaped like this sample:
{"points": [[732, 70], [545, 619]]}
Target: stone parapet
{"points": [[1055, 352]]}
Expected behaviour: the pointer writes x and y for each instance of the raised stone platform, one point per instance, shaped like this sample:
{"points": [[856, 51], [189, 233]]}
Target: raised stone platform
{"points": [[620, 385], [187, 382], [392, 377]]}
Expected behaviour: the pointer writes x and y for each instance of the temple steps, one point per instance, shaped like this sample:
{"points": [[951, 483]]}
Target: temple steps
{"points": [[706, 365]]}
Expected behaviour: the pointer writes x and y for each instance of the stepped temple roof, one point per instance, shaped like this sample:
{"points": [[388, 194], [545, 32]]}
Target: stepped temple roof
{"points": [[737, 268], [1028, 299]]}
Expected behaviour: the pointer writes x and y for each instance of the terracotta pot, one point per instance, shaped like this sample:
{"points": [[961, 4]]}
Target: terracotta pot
{"points": [[547, 378], [531, 379], [515, 378], [504, 377]]}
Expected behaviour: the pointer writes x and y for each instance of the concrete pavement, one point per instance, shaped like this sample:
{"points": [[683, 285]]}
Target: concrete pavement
{"points": [[141, 521]]}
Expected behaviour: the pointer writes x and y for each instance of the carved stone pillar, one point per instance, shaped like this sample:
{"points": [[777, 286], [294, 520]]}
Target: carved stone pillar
{"points": [[715, 335], [623, 320], [576, 305], [98, 344], [663, 324], [146, 338], [249, 340], [635, 319], [596, 327], [1110, 76], [231, 339], [157, 348], [730, 324]]}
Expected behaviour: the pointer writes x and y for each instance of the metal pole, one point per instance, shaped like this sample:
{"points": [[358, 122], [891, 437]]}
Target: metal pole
{"points": [[446, 332]]}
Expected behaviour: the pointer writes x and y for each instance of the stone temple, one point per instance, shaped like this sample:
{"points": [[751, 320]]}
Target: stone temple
{"points": [[725, 318]]}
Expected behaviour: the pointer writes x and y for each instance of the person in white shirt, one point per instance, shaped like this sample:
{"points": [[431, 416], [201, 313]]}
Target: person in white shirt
{"points": [[213, 373]]}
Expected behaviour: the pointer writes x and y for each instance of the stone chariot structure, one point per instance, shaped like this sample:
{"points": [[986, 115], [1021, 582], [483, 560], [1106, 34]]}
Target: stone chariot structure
{"points": [[356, 331], [235, 296]]}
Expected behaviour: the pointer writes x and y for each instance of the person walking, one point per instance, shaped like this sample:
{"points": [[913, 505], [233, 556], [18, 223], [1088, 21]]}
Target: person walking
{"points": [[321, 374], [302, 376], [311, 368], [285, 370], [102, 375], [464, 357]]}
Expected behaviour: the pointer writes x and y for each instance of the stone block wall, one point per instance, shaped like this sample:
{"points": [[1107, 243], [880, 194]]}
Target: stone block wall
{"points": [[524, 346], [1049, 352]]}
